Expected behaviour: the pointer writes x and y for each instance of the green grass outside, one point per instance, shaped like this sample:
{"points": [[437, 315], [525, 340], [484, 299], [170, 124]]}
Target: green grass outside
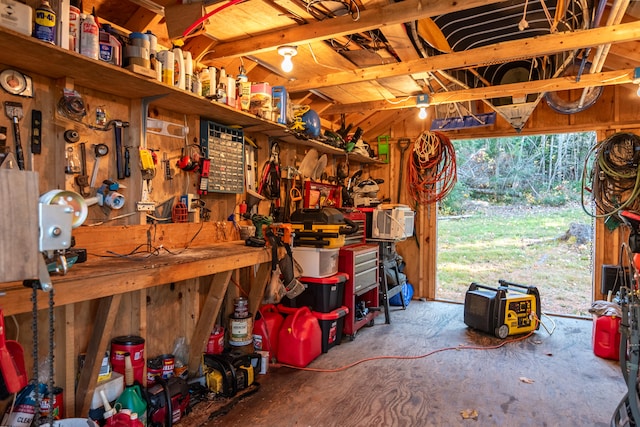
{"points": [[519, 245]]}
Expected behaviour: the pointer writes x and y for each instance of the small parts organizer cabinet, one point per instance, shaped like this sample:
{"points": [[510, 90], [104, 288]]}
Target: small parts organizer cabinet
{"points": [[360, 262]]}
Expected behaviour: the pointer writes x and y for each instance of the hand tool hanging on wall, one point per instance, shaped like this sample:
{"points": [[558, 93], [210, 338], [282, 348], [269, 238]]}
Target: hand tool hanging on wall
{"points": [[100, 150], [120, 166], [13, 110], [36, 132], [82, 180], [403, 144]]}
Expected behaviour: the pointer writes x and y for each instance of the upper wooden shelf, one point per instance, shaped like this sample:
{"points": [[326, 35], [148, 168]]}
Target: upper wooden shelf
{"points": [[31, 55]]}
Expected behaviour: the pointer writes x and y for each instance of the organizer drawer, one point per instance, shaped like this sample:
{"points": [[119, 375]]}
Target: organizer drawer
{"points": [[365, 279]]}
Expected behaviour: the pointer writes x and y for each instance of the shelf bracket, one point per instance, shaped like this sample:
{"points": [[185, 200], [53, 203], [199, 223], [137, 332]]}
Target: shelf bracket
{"points": [[144, 113]]}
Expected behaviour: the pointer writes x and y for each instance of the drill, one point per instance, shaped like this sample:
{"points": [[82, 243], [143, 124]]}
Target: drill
{"points": [[258, 222]]}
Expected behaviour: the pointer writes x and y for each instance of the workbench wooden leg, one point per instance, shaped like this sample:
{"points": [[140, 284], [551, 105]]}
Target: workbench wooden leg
{"points": [[105, 319], [210, 310]]}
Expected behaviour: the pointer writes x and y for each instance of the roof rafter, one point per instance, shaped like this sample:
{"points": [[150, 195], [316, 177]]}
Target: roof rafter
{"points": [[499, 52], [391, 14]]}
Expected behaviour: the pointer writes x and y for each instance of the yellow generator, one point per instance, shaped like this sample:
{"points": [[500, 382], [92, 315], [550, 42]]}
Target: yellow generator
{"points": [[509, 309]]}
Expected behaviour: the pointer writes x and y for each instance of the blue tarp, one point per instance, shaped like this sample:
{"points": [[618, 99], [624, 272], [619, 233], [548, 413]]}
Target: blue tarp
{"points": [[464, 122]]}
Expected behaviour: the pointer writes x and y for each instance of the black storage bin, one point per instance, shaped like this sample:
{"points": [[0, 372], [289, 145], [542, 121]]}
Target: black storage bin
{"points": [[323, 294]]}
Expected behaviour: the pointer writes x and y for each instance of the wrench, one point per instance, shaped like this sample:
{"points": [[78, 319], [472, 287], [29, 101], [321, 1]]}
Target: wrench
{"points": [[100, 150], [82, 180]]}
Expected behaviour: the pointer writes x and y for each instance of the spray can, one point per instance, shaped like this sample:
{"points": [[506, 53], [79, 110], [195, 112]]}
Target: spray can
{"points": [[45, 25], [89, 38], [75, 9]]}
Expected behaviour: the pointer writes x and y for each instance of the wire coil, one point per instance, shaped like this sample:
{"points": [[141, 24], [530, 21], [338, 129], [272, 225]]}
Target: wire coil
{"points": [[432, 168], [614, 175]]}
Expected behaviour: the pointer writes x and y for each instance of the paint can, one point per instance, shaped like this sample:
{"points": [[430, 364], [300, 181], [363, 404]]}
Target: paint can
{"points": [[240, 324]]}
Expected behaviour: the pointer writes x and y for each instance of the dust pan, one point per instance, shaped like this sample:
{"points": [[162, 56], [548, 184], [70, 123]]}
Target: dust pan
{"points": [[12, 366]]}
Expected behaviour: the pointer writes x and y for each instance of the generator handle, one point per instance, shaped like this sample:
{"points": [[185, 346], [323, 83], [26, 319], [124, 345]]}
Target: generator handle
{"points": [[475, 285], [517, 285]]}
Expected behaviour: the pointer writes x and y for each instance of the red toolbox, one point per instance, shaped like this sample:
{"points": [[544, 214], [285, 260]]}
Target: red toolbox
{"points": [[331, 325], [299, 340], [322, 294]]}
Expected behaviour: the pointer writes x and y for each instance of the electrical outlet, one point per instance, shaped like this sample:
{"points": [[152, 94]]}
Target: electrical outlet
{"points": [[146, 206]]}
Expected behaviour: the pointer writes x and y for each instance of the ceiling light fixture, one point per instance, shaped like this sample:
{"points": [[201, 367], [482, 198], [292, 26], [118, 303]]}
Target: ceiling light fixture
{"points": [[287, 52], [422, 102], [636, 78]]}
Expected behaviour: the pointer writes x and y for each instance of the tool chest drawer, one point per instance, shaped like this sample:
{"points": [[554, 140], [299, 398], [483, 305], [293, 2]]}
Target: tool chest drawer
{"points": [[361, 263]]}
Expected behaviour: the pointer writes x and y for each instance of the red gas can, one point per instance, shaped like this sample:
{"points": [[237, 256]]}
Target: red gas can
{"points": [[300, 338], [606, 337], [266, 329]]}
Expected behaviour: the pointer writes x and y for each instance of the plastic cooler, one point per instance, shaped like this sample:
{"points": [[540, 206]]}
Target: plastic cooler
{"points": [[331, 325], [322, 294]]}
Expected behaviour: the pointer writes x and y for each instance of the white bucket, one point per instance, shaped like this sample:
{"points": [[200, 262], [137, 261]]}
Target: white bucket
{"points": [[73, 422]]}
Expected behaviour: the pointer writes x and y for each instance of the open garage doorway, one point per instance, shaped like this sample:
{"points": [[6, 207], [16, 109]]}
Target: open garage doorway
{"points": [[516, 214]]}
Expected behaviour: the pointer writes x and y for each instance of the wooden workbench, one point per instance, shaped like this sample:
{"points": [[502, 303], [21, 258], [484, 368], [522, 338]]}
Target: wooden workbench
{"points": [[107, 275]]}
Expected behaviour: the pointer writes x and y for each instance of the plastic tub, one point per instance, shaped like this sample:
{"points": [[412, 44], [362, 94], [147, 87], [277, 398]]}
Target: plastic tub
{"points": [[317, 262], [331, 325]]}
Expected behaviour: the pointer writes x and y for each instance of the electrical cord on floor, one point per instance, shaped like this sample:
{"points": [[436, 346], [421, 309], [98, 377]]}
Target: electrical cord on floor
{"points": [[420, 356]]}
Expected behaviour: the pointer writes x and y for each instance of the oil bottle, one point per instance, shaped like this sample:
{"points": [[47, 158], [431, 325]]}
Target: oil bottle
{"points": [[45, 25]]}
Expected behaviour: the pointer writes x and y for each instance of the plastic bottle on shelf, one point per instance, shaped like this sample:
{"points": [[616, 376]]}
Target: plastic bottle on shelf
{"points": [[166, 62], [188, 70], [110, 47], [75, 10], [221, 94], [178, 68], [45, 23], [89, 37]]}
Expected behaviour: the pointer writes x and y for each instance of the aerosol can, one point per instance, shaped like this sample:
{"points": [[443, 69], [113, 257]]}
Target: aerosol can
{"points": [[45, 25]]}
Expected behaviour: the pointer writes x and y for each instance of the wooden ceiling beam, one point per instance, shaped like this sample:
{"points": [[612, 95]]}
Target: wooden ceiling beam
{"points": [[370, 19], [550, 85], [496, 53]]}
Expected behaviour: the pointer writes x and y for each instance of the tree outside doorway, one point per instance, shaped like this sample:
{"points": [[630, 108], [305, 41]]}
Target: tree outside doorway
{"points": [[515, 214]]}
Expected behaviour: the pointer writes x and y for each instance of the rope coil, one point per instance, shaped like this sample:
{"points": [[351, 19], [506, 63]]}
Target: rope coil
{"points": [[432, 168]]}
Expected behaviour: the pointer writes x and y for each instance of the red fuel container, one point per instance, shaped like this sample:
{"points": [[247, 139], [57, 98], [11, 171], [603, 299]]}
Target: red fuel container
{"points": [[300, 338], [606, 337], [266, 329]]}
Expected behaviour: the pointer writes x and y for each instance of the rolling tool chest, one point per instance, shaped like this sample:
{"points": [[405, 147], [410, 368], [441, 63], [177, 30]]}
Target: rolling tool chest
{"points": [[361, 297]]}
